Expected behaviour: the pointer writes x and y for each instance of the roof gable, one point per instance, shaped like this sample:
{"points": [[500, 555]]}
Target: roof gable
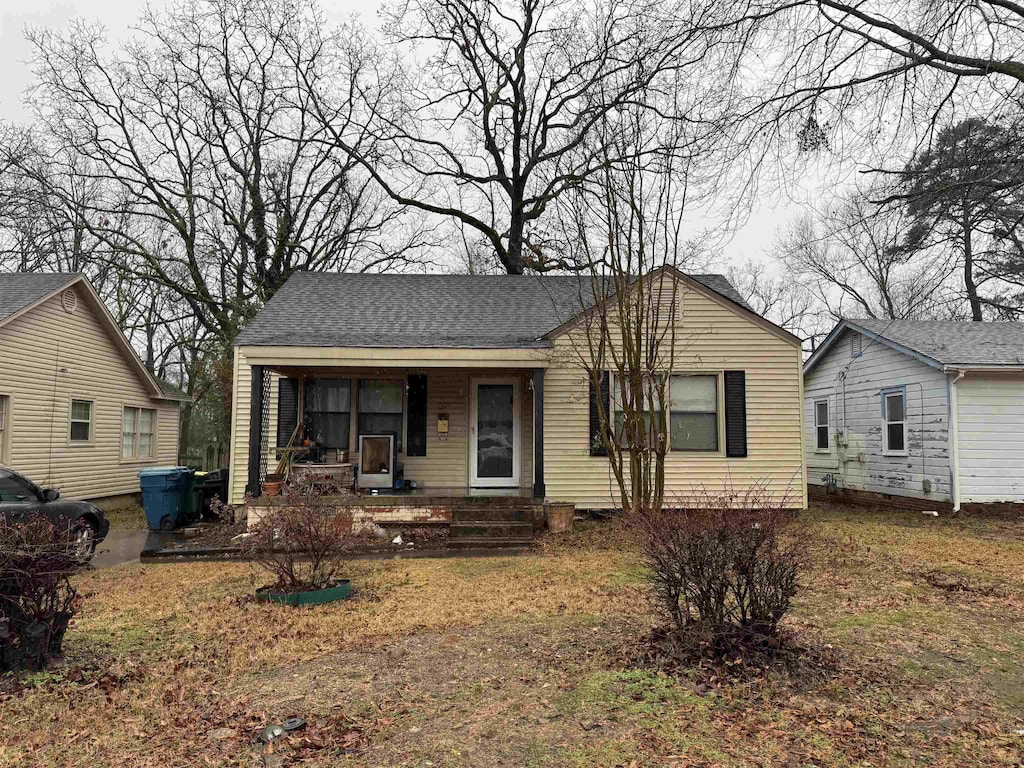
{"points": [[938, 343], [20, 293], [441, 311]]}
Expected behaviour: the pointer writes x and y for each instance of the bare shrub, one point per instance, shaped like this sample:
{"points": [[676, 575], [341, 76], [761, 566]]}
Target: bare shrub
{"points": [[37, 600], [302, 542], [723, 569]]}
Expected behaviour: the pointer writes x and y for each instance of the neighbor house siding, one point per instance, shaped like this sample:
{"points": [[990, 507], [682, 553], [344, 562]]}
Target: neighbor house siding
{"points": [[711, 337], [990, 425], [853, 387], [49, 357], [446, 465]]}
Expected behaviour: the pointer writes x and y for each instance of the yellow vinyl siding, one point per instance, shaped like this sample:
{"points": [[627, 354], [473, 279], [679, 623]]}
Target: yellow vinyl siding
{"points": [[712, 337], [446, 465], [49, 357]]}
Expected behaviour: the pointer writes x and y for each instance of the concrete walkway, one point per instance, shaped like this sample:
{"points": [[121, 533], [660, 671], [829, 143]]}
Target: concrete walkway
{"points": [[125, 546]]}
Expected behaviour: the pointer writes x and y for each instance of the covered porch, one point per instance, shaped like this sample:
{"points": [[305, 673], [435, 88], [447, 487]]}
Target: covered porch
{"points": [[420, 437]]}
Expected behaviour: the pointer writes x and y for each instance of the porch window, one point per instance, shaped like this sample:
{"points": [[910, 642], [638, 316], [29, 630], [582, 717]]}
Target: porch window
{"points": [[693, 413], [81, 421], [894, 411], [328, 406], [138, 427], [380, 408]]}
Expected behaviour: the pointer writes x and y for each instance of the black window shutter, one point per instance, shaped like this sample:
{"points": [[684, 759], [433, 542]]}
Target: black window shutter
{"points": [[287, 409], [596, 445], [416, 424], [735, 414]]}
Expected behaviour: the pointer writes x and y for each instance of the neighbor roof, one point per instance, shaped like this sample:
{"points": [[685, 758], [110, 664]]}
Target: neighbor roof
{"points": [[940, 343], [21, 290], [318, 309]]}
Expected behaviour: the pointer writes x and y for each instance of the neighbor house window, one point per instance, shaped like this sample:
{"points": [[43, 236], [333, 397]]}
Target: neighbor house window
{"points": [[895, 413], [5, 409], [328, 407], [380, 408], [138, 428], [81, 421], [653, 420], [693, 413], [821, 425]]}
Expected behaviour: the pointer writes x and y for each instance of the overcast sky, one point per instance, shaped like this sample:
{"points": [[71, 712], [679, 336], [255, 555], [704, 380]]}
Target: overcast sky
{"points": [[118, 15]]}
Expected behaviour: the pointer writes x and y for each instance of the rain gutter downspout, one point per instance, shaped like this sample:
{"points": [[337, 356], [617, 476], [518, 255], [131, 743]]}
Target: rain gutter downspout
{"points": [[954, 437]]}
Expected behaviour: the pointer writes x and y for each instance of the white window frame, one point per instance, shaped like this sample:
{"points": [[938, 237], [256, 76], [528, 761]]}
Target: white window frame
{"points": [[817, 426], [135, 456], [72, 420], [666, 411], [5, 428], [887, 422]]}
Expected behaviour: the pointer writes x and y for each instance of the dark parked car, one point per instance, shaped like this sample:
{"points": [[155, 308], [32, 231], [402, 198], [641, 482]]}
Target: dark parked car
{"points": [[21, 500]]}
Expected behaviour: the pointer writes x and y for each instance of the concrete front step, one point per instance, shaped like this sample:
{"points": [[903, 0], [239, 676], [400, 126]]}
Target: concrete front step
{"points": [[490, 530], [482, 542], [520, 514]]}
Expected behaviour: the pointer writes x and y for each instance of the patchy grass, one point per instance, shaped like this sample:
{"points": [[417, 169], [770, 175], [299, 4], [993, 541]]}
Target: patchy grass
{"points": [[528, 661], [127, 519]]}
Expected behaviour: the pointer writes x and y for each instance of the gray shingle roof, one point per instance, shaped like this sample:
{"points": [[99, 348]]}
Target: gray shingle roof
{"points": [[473, 311], [19, 290], [955, 343]]}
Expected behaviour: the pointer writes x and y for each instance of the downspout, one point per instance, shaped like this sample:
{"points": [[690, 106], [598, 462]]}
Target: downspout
{"points": [[954, 440]]}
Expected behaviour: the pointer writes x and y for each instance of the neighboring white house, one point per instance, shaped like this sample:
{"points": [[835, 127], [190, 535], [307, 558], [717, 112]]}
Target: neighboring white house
{"points": [[78, 409], [930, 410]]}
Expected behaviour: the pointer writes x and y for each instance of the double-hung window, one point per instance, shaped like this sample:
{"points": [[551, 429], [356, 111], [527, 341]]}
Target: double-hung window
{"points": [[81, 421], [653, 420], [328, 407], [693, 413], [380, 408], [894, 412], [138, 433], [821, 425], [5, 408]]}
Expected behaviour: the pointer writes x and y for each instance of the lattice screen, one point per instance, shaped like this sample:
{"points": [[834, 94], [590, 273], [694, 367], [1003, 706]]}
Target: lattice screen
{"points": [[265, 428]]}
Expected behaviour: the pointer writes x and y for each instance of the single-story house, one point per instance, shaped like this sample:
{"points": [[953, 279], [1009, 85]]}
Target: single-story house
{"points": [[923, 412], [78, 410], [467, 382]]}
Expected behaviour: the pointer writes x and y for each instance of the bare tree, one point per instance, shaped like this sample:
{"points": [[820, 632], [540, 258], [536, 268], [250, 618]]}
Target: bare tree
{"points": [[498, 116], [851, 259], [207, 176], [784, 301]]}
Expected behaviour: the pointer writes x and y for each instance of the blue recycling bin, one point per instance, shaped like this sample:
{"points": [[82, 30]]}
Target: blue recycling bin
{"points": [[163, 495]]}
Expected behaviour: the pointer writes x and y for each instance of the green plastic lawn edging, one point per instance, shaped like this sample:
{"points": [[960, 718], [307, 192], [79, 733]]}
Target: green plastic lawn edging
{"points": [[340, 591]]}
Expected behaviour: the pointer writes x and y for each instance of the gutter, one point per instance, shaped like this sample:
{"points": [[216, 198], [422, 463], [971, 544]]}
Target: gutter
{"points": [[954, 437]]}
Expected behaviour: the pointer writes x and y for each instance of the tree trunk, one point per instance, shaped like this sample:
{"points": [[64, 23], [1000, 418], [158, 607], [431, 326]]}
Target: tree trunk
{"points": [[969, 284]]}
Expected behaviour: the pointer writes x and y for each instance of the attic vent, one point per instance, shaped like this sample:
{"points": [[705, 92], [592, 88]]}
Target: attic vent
{"points": [[856, 345], [69, 300]]}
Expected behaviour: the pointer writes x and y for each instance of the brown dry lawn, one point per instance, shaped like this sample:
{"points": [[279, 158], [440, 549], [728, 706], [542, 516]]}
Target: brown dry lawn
{"points": [[530, 661]]}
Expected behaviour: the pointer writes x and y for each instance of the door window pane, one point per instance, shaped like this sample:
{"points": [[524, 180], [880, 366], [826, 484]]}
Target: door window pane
{"points": [[495, 430]]}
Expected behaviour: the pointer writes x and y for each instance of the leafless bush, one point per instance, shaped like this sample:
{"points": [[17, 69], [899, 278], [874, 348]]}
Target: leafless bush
{"points": [[302, 542], [723, 569], [37, 600]]}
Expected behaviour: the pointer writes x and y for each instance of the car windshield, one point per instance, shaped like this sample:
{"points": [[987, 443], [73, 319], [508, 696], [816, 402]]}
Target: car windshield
{"points": [[14, 487]]}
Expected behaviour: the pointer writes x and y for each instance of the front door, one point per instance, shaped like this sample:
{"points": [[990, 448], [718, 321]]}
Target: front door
{"points": [[494, 433]]}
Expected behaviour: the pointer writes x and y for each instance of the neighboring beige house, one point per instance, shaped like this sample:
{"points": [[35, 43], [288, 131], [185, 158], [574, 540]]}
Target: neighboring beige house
{"points": [[78, 409], [469, 378]]}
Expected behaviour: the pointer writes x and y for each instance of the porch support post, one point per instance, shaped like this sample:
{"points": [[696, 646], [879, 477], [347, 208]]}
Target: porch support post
{"points": [[539, 490], [253, 485]]}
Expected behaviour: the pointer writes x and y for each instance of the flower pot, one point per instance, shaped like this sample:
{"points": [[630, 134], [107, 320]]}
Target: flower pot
{"points": [[271, 488], [338, 591]]}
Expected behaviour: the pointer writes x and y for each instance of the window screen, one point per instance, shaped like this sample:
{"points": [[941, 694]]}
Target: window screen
{"points": [[821, 425], [693, 413], [380, 408], [81, 420], [328, 406], [894, 405]]}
